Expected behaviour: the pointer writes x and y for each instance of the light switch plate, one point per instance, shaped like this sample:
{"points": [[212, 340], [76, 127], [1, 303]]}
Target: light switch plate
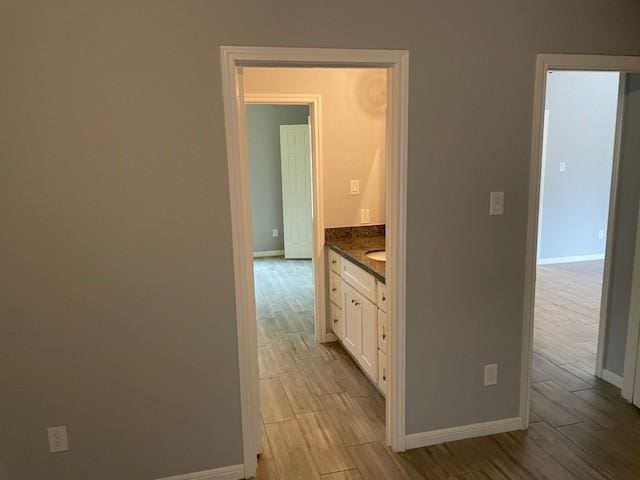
{"points": [[58, 440], [496, 203], [275, 232], [355, 187], [490, 374], [563, 166]]}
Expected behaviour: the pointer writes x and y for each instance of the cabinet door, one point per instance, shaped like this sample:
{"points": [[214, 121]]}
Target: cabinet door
{"points": [[352, 320], [382, 372], [337, 322], [335, 289], [383, 331], [369, 348]]}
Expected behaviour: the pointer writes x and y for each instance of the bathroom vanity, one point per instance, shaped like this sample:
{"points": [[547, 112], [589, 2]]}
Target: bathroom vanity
{"points": [[358, 301]]}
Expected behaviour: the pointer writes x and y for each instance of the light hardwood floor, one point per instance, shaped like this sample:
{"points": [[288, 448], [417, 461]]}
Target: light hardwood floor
{"points": [[322, 419]]}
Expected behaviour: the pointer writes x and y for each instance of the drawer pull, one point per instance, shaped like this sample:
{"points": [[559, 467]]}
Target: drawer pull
{"points": [[334, 289], [357, 303], [335, 320], [333, 262], [384, 299]]}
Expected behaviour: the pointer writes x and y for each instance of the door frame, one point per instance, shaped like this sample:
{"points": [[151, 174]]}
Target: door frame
{"points": [[314, 102], [631, 387], [545, 63], [397, 64]]}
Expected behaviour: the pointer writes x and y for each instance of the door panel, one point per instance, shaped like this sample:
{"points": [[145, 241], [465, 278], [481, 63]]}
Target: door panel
{"points": [[295, 156]]}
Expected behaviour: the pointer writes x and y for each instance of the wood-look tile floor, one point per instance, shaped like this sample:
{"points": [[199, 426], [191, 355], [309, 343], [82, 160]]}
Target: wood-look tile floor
{"points": [[322, 419]]}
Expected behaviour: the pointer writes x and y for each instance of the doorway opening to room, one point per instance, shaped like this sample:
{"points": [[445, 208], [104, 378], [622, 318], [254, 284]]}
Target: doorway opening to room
{"points": [[583, 213], [581, 111], [317, 149]]}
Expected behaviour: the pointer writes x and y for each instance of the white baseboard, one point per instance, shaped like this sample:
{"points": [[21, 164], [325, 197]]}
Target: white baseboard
{"points": [[436, 437], [612, 378], [232, 472], [268, 253], [575, 258]]}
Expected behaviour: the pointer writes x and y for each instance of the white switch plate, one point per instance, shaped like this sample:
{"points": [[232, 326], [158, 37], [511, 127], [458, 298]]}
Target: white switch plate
{"points": [[490, 374], [275, 232], [496, 203], [364, 215], [600, 234], [58, 440], [563, 167], [355, 187]]}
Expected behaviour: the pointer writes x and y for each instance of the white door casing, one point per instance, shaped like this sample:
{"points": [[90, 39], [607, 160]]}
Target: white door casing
{"points": [[397, 64], [295, 155]]}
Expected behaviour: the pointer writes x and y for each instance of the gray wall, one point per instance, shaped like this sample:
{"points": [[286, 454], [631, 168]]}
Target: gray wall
{"points": [[625, 235], [263, 129], [581, 132], [116, 245]]}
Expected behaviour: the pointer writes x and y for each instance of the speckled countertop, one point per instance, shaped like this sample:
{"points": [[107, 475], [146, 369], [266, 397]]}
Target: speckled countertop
{"points": [[354, 245]]}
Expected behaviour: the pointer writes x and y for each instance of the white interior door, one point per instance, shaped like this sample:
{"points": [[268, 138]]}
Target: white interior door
{"points": [[295, 155]]}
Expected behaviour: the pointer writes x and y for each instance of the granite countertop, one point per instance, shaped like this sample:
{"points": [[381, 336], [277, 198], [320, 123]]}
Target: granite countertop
{"points": [[354, 248]]}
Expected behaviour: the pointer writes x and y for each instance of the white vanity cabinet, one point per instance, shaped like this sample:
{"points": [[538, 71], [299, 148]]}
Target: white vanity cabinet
{"points": [[358, 316]]}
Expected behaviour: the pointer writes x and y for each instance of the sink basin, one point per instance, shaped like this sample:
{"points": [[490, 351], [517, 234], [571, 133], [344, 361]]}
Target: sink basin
{"points": [[377, 255]]}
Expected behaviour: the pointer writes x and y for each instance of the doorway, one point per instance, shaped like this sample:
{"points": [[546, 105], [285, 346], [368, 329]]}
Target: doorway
{"points": [[577, 234], [574, 214], [234, 59]]}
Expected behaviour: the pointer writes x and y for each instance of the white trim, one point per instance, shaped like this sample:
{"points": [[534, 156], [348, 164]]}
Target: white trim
{"points": [[573, 259], [397, 63], [544, 63], [543, 167], [314, 101], [232, 472], [613, 378], [240, 204], [268, 253], [436, 437], [629, 389], [611, 225]]}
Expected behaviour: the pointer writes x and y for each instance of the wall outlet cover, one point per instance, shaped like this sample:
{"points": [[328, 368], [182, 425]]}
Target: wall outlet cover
{"points": [[365, 216], [355, 187], [58, 440], [490, 374], [275, 232]]}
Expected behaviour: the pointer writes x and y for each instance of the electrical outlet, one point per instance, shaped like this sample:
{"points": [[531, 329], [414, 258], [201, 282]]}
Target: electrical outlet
{"points": [[355, 187], [490, 374], [496, 203], [275, 232], [58, 440], [563, 167], [364, 215], [600, 234]]}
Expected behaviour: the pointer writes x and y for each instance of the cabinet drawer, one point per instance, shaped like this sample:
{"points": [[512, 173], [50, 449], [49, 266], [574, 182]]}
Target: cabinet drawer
{"points": [[362, 281], [334, 261], [335, 288], [382, 295], [383, 331], [382, 371], [337, 321]]}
